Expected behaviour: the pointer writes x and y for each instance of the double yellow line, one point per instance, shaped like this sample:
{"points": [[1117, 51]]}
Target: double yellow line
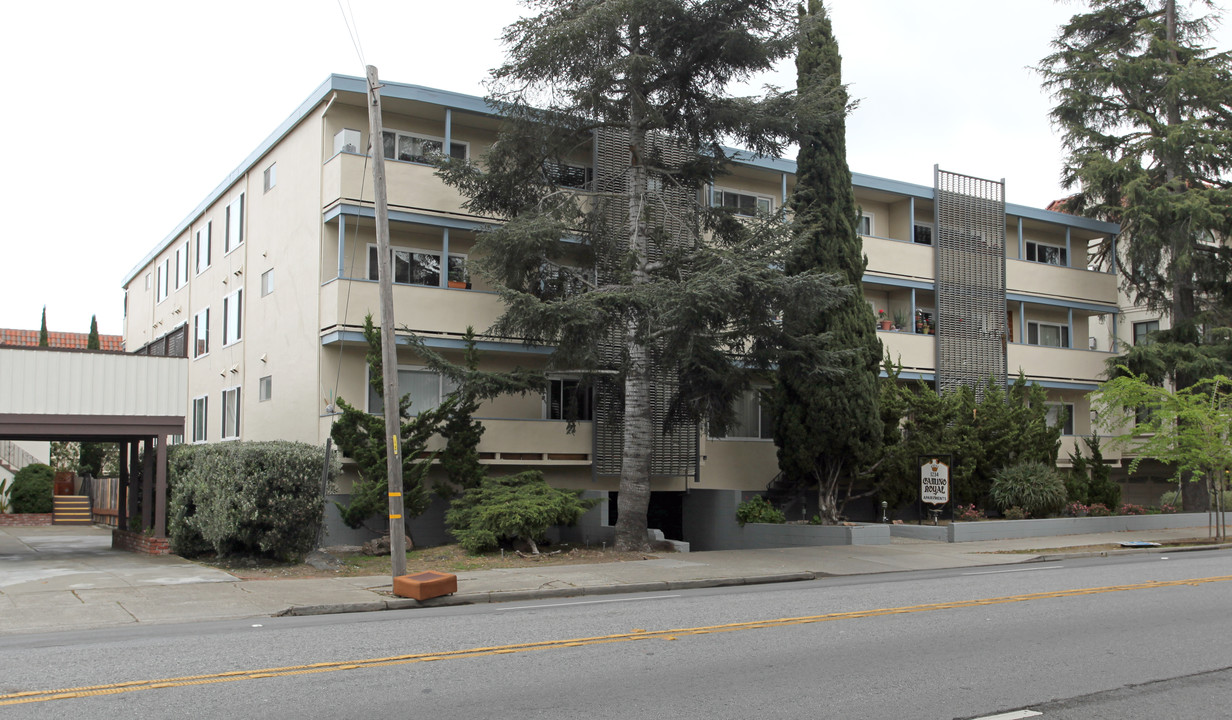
{"points": [[234, 675]]}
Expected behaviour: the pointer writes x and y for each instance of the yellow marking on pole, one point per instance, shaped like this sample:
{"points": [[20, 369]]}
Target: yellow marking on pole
{"points": [[395, 494], [395, 438], [395, 517], [639, 634]]}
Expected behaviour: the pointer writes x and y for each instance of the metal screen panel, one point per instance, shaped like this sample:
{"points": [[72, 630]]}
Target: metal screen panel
{"points": [[970, 272], [671, 208]]}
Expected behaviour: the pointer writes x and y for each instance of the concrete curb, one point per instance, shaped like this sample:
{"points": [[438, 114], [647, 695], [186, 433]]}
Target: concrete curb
{"points": [[1052, 557]]}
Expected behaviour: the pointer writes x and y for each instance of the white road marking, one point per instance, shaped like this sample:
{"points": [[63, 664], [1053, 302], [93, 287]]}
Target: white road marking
{"points": [[1015, 715], [587, 602], [1030, 569]]}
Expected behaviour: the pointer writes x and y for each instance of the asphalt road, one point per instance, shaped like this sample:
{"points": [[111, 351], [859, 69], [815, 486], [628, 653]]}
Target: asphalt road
{"points": [[1134, 637]]}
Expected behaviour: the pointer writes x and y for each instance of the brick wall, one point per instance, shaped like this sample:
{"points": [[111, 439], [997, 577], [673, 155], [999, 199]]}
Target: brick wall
{"points": [[25, 519], [139, 542]]}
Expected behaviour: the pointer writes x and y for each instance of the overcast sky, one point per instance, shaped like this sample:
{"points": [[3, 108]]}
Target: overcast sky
{"points": [[122, 116]]}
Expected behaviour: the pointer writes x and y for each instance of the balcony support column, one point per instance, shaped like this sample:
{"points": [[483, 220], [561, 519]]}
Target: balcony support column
{"points": [[448, 133], [1022, 255], [1022, 323], [341, 246], [784, 180], [1112, 258], [1069, 253], [1113, 347], [913, 294], [1070, 321], [445, 253], [911, 238]]}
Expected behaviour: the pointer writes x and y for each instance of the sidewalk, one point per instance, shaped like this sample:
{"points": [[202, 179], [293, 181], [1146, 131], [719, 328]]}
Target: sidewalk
{"points": [[55, 578]]}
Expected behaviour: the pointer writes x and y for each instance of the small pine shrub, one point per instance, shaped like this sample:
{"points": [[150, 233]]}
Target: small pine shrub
{"points": [[32, 489], [521, 506], [1032, 486], [759, 510]]}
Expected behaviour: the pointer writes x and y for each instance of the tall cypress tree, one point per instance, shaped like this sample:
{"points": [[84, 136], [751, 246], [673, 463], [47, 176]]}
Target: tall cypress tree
{"points": [[92, 342], [827, 430], [43, 330]]}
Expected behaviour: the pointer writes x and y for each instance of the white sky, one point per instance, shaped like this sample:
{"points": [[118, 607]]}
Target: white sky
{"points": [[122, 116]]}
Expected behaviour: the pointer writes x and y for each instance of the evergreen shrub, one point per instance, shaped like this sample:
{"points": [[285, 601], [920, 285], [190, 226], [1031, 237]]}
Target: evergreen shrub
{"points": [[245, 498], [512, 507], [759, 510], [31, 491], [1032, 486]]}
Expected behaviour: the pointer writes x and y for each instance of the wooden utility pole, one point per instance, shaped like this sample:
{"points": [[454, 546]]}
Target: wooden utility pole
{"points": [[389, 346]]}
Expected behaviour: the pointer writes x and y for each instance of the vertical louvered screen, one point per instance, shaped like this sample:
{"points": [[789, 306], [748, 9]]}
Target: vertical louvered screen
{"points": [[970, 271], [671, 208]]}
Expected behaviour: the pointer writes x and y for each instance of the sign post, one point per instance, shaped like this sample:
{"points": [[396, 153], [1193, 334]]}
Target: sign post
{"points": [[934, 483]]}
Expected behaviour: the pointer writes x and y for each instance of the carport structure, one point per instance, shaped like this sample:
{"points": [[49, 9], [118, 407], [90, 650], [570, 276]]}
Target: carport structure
{"points": [[137, 401]]}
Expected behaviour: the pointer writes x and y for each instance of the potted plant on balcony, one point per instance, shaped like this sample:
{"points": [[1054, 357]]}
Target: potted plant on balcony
{"points": [[900, 320], [885, 322]]}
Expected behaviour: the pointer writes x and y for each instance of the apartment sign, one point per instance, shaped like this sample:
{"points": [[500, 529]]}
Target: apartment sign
{"points": [[935, 482]]}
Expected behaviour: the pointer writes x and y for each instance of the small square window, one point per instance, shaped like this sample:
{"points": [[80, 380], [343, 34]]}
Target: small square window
{"points": [[271, 177], [267, 282], [265, 388]]}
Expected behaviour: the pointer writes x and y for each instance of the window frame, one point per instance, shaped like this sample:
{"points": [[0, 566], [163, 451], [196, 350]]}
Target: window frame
{"points": [[181, 265], [1069, 420], [441, 389], [915, 225], [1134, 331], [161, 284], [765, 433], [197, 339], [235, 393], [421, 159], [269, 177], [267, 282], [1063, 334], [1031, 247], [208, 230], [736, 209], [265, 388], [200, 434], [234, 220], [238, 296], [373, 269], [586, 401], [872, 225]]}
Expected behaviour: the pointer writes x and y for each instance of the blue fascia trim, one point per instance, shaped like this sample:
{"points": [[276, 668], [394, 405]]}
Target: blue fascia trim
{"points": [[418, 93], [1072, 304], [926, 377], [354, 336], [1058, 385], [407, 217], [898, 282]]}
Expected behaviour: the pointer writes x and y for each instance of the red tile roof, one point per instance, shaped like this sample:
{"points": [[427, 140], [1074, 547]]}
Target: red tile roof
{"points": [[30, 338]]}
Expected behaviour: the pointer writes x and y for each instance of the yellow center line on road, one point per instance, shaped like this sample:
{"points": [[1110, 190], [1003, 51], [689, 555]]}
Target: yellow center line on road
{"points": [[324, 667]]}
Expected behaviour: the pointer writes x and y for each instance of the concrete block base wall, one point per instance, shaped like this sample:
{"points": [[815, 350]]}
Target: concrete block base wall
{"points": [[710, 524], [1047, 527], [25, 519], [138, 542]]}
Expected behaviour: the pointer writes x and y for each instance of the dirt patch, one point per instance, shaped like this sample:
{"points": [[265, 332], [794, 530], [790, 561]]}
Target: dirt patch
{"points": [[445, 558]]}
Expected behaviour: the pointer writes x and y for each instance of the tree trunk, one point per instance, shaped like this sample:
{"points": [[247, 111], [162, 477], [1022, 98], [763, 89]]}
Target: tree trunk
{"points": [[634, 497]]}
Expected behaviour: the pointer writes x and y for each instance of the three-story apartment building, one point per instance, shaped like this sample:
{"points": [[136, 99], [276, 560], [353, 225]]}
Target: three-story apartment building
{"points": [[271, 275]]}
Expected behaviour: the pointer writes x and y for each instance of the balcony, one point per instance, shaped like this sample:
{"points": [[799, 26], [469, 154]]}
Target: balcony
{"points": [[915, 352], [409, 185], [896, 258], [1040, 362], [1060, 282], [423, 309], [537, 442]]}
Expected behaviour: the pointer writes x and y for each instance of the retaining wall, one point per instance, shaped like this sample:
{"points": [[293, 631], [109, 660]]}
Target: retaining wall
{"points": [[25, 519], [139, 542], [1047, 527], [710, 524]]}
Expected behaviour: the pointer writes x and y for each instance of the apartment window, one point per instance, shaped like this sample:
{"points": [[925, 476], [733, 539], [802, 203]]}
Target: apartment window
{"points": [[417, 148], [752, 419], [271, 177], [923, 233], [233, 317], [203, 248], [1143, 330], [235, 225], [1047, 334], [160, 282], [1054, 412], [265, 388], [147, 281], [566, 397], [864, 225], [741, 203], [200, 418], [267, 282], [418, 267], [231, 413], [201, 333], [181, 265], [1047, 254], [424, 387]]}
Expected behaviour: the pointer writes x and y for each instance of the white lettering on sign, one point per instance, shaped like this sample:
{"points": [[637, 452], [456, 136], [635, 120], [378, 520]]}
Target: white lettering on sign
{"points": [[935, 483]]}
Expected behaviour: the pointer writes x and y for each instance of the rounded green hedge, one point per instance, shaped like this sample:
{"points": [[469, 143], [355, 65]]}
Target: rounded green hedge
{"points": [[32, 486]]}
